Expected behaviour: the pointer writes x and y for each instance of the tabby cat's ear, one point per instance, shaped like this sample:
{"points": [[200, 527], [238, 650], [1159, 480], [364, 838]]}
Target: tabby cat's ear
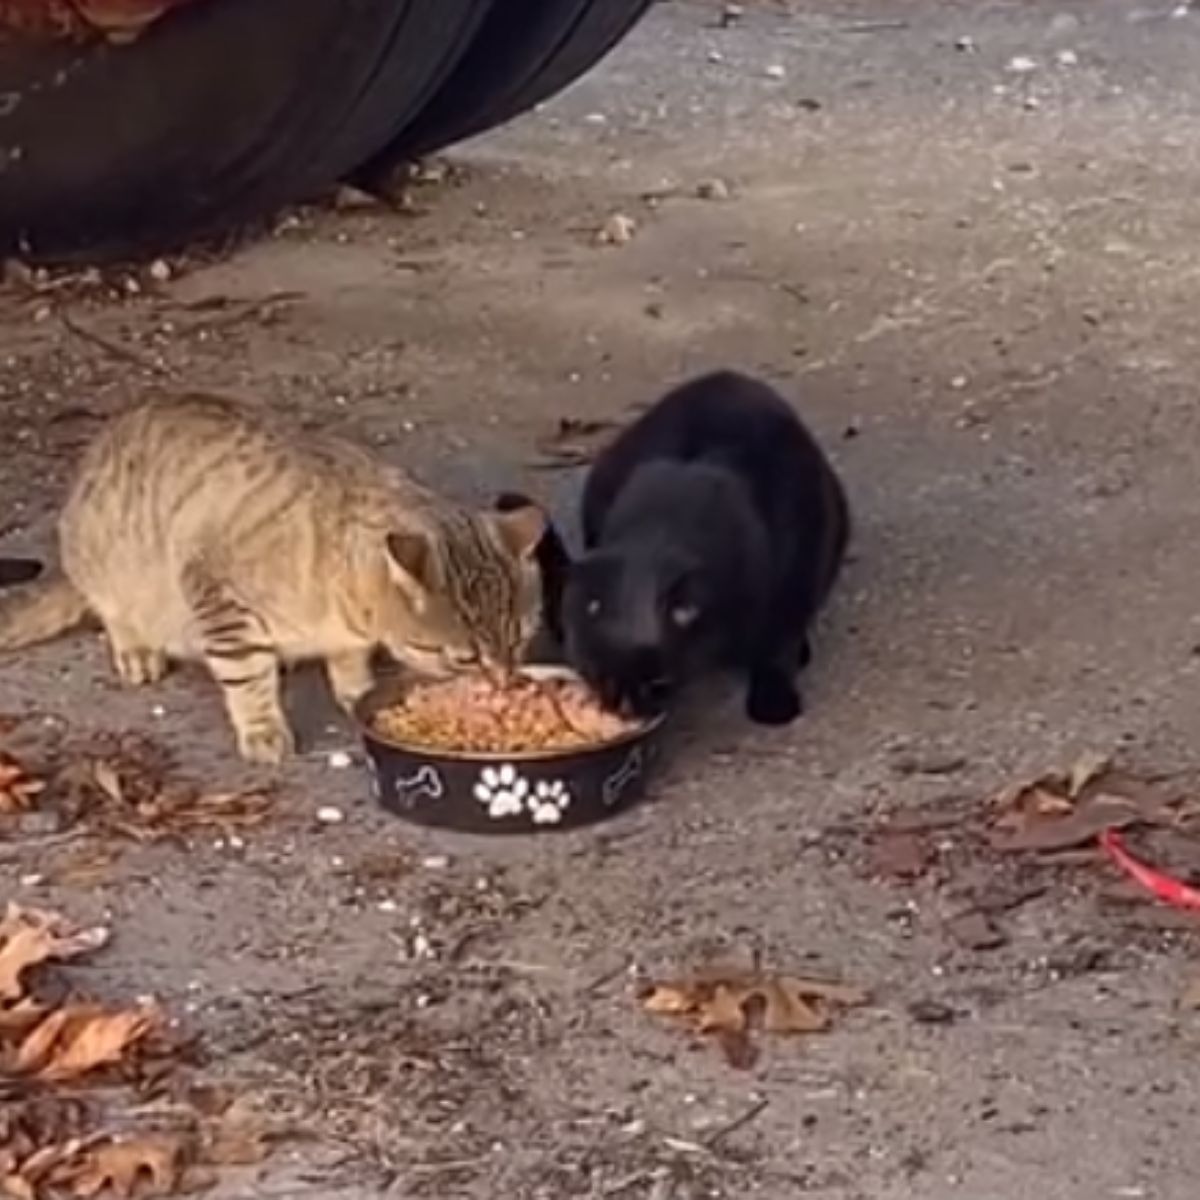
{"points": [[411, 562], [520, 529]]}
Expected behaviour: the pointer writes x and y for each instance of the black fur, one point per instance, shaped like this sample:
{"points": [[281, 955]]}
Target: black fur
{"points": [[714, 528], [18, 570]]}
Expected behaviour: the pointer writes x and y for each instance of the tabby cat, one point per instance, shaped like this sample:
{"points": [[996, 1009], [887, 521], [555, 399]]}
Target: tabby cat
{"points": [[196, 529]]}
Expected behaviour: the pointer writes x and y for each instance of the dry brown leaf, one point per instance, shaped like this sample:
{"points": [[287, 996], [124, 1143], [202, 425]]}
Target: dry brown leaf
{"points": [[731, 1005], [29, 936], [19, 790], [1088, 766], [901, 855], [79, 1038], [233, 1144], [18, 1019], [1064, 809], [145, 1165]]}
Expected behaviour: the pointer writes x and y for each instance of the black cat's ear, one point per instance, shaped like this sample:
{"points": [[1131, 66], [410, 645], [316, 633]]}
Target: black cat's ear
{"points": [[411, 562]]}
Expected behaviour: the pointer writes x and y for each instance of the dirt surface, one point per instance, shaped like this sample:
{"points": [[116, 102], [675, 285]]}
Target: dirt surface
{"points": [[979, 282]]}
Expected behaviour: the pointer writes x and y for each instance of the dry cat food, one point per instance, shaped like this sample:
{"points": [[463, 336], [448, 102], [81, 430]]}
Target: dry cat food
{"points": [[475, 715]]}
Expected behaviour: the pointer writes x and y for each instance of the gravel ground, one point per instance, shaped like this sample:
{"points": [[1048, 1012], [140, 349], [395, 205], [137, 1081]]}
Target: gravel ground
{"points": [[964, 236]]}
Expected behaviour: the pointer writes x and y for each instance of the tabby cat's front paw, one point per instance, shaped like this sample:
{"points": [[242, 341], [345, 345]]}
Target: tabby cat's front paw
{"points": [[266, 744], [772, 698], [139, 665]]}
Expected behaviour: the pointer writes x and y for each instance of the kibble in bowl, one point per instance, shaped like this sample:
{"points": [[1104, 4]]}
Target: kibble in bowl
{"points": [[538, 754]]}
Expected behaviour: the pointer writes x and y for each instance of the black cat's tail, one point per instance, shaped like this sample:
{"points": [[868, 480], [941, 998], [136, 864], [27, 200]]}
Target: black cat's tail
{"points": [[554, 563]]}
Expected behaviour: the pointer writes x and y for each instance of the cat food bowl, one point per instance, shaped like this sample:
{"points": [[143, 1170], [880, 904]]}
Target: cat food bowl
{"points": [[496, 791]]}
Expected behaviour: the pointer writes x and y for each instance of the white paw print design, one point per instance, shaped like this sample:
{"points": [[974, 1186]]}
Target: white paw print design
{"points": [[549, 801], [502, 791]]}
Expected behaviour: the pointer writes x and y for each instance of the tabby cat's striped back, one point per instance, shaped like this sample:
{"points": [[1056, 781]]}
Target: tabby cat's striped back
{"points": [[198, 529]]}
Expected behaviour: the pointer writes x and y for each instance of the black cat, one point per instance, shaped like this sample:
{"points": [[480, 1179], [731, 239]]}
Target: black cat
{"points": [[18, 570], [714, 528]]}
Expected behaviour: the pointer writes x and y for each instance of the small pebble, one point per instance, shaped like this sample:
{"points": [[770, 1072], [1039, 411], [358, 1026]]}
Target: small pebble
{"points": [[776, 71], [715, 56], [160, 270], [1067, 58], [712, 189], [328, 814], [731, 14], [387, 906], [966, 44], [1022, 64], [618, 230], [595, 118], [435, 862], [339, 760]]}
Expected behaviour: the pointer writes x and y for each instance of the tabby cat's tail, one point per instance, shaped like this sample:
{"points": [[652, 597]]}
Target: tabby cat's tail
{"points": [[39, 611]]}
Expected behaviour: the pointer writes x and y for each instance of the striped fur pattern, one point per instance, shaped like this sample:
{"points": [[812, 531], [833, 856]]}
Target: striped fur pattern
{"points": [[196, 529]]}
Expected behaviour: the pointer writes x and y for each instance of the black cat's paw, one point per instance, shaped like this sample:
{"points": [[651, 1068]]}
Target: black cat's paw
{"points": [[772, 699]]}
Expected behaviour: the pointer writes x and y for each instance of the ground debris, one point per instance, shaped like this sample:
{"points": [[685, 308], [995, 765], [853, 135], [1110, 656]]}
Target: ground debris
{"points": [[122, 786], [1061, 809], [19, 790], [30, 936], [56, 1142], [900, 854], [731, 1005], [618, 230], [574, 442]]}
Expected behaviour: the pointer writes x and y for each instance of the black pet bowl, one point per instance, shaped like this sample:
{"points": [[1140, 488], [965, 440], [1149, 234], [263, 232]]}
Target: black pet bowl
{"points": [[525, 792]]}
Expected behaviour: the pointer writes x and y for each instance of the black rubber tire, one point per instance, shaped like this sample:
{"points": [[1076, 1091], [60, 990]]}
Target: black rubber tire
{"points": [[189, 143], [525, 52]]}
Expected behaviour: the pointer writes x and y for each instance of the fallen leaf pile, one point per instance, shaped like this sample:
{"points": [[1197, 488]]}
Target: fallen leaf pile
{"points": [[1060, 810], [54, 1143], [730, 1007], [121, 786], [985, 859], [120, 797]]}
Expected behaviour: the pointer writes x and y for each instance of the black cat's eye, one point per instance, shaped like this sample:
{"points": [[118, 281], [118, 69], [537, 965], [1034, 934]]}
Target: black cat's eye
{"points": [[685, 615]]}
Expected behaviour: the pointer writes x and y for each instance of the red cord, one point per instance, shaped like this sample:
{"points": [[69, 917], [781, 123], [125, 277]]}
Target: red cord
{"points": [[1166, 888]]}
